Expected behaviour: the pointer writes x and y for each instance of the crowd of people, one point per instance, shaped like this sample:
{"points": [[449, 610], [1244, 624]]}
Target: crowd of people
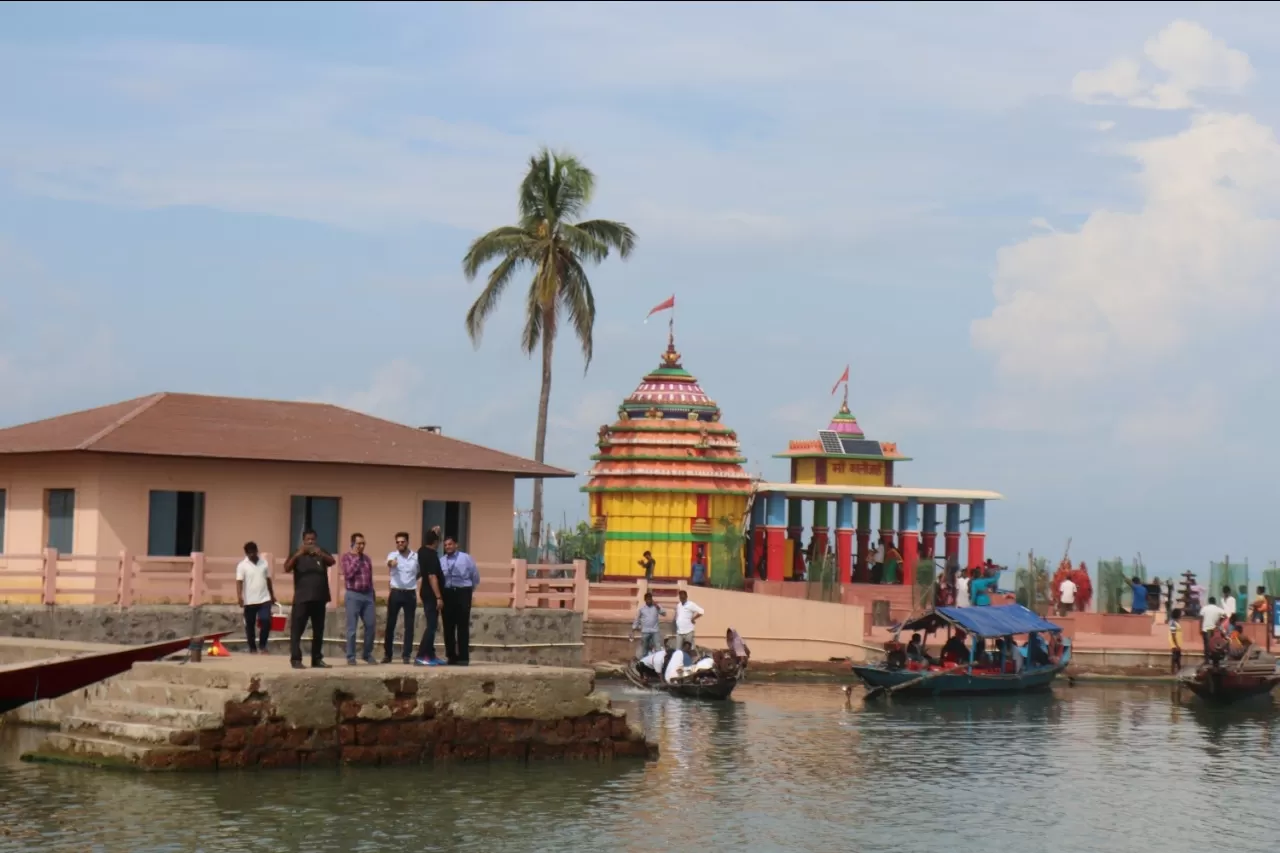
{"points": [[444, 586], [975, 587]]}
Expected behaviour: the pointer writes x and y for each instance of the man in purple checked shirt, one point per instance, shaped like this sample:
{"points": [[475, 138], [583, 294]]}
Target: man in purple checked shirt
{"points": [[357, 575]]}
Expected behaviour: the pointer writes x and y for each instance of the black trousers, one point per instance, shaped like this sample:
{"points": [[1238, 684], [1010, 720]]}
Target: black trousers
{"points": [[457, 624], [427, 649], [398, 600], [302, 613], [257, 625]]}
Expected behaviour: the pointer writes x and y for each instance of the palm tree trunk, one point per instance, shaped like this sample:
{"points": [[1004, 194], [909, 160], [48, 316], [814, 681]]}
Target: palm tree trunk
{"points": [[540, 438]]}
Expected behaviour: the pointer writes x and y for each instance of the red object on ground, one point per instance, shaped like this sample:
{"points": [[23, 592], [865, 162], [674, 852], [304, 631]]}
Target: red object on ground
{"points": [[278, 621]]}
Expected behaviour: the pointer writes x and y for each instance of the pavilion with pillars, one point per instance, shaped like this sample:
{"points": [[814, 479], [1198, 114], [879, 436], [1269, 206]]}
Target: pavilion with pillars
{"points": [[841, 466]]}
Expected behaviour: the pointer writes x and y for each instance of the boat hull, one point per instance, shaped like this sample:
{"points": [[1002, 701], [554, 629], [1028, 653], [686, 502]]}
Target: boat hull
{"points": [[21, 684], [960, 683], [717, 690], [1228, 688]]}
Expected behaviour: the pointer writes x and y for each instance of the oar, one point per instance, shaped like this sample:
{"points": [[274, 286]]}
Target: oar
{"points": [[876, 692]]}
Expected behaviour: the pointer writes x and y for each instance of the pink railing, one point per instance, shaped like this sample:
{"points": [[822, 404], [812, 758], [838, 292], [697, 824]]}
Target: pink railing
{"points": [[618, 600], [52, 578]]}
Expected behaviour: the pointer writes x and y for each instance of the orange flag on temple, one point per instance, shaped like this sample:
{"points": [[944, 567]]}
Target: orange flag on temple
{"points": [[844, 377], [661, 306]]}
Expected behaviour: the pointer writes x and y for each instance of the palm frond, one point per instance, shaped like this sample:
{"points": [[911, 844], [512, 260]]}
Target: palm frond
{"points": [[616, 236], [535, 314], [580, 304], [535, 188], [507, 240], [487, 301], [583, 244]]}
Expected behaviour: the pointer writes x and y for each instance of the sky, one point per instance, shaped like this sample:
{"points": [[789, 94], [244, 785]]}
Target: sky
{"points": [[1043, 236]]}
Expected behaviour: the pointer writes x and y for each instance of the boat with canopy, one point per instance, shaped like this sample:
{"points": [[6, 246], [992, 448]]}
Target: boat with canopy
{"points": [[967, 664]]}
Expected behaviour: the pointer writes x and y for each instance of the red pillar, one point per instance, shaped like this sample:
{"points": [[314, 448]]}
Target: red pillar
{"points": [[977, 549], [757, 549], [861, 570], [910, 555], [927, 545], [776, 543], [952, 544], [844, 552]]}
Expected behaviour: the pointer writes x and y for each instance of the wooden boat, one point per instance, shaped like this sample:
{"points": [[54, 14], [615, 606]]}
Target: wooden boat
{"points": [[707, 685], [53, 677], [970, 677], [1228, 682]]}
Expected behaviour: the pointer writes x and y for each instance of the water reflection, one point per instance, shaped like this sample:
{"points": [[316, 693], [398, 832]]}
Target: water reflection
{"points": [[780, 768]]}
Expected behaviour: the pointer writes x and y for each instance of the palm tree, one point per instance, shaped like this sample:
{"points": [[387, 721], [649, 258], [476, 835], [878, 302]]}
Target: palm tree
{"points": [[554, 243]]}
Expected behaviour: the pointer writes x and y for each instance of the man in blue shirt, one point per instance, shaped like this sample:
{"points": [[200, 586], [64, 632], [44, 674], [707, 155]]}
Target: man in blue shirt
{"points": [[403, 564], [461, 577], [1139, 606]]}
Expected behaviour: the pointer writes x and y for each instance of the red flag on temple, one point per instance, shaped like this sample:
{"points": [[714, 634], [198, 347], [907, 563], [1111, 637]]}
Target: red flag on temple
{"points": [[844, 377], [661, 306]]}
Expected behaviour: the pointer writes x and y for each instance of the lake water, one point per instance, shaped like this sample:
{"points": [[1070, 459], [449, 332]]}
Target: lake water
{"points": [[783, 767]]}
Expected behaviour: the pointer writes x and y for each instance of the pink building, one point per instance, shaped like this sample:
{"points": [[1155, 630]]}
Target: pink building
{"points": [[171, 475]]}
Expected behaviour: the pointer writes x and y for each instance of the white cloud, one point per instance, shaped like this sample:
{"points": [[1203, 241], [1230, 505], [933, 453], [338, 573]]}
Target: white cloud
{"points": [[1104, 126], [394, 392], [1092, 314], [1191, 59]]}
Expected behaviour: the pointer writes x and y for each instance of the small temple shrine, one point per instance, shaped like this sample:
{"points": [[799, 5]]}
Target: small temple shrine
{"points": [[841, 466], [667, 474]]}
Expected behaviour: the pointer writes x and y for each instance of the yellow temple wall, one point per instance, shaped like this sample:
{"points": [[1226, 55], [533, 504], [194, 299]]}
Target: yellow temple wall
{"points": [[855, 472], [662, 524]]}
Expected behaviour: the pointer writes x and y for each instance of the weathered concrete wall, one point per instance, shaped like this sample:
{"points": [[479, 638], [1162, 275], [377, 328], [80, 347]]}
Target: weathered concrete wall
{"points": [[500, 635], [255, 712]]}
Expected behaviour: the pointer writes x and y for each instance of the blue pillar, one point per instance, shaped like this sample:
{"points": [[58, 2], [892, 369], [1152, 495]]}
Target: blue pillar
{"points": [[776, 514], [978, 517], [844, 513], [951, 537], [930, 518], [911, 515]]}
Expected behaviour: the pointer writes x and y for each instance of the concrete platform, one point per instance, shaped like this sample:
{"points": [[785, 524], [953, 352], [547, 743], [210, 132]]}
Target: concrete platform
{"points": [[250, 711]]}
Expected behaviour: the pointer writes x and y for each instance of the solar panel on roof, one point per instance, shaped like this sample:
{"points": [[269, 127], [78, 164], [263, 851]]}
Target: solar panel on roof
{"points": [[861, 446], [830, 441]]}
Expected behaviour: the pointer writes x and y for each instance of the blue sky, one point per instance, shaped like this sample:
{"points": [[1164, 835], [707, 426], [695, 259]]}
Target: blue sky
{"points": [[1044, 235]]}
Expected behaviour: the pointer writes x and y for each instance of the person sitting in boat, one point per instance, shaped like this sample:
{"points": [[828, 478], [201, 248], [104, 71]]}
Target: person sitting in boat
{"points": [[955, 650], [655, 661], [1037, 651], [1010, 655], [678, 662], [737, 647], [916, 652], [1237, 643]]}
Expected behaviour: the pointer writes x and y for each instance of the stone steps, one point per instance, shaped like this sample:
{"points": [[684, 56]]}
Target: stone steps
{"points": [[106, 749], [159, 715], [167, 694], [92, 725]]}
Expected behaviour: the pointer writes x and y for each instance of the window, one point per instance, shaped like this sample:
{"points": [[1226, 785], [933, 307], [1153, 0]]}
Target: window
{"points": [[452, 517], [319, 514], [175, 527], [60, 513], [4, 506]]}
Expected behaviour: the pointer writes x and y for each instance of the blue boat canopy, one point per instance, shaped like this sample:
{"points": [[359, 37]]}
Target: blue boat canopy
{"points": [[994, 621]]}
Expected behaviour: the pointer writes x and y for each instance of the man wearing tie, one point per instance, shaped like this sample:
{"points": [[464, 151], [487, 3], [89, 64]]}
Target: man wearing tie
{"points": [[461, 577]]}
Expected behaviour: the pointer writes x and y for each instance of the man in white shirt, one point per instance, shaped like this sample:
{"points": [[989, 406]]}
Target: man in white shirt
{"points": [[682, 658], [687, 613], [253, 589], [403, 564], [962, 589], [1066, 596], [1210, 615]]}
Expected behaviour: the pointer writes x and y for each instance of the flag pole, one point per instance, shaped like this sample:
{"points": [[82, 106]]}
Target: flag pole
{"points": [[671, 327], [846, 387]]}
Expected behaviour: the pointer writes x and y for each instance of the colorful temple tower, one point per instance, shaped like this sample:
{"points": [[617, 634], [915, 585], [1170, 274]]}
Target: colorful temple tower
{"points": [[667, 475], [842, 466], [841, 455]]}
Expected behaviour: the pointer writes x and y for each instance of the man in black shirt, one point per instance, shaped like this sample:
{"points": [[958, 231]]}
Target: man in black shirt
{"points": [[309, 566], [430, 586]]}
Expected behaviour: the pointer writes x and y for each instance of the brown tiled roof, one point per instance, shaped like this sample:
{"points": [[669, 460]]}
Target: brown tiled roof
{"points": [[270, 430]]}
